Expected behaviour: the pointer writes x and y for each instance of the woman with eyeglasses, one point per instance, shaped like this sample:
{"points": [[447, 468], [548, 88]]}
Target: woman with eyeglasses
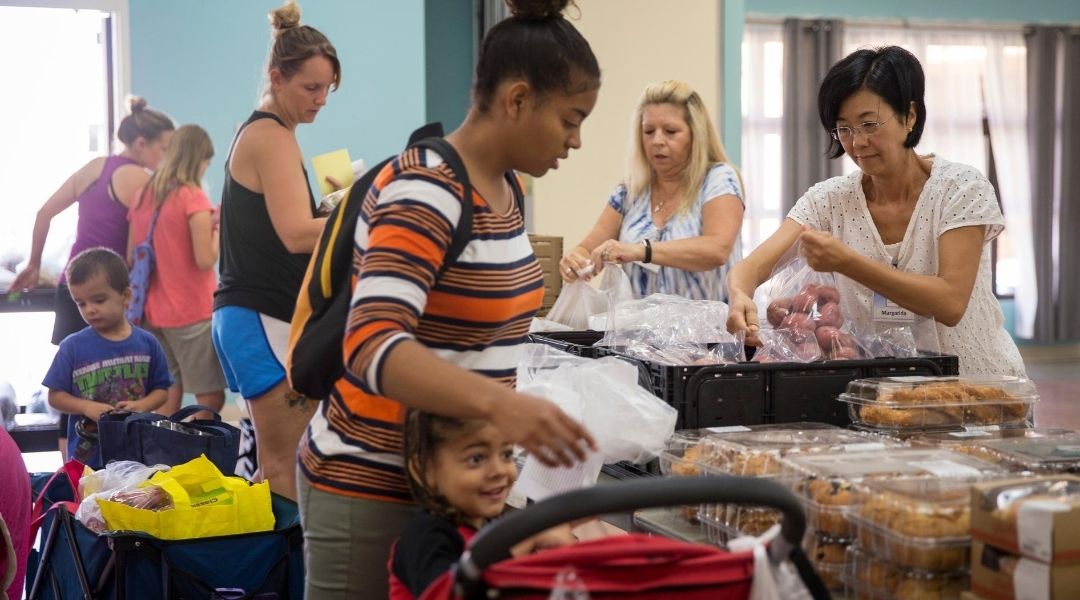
{"points": [[908, 228]]}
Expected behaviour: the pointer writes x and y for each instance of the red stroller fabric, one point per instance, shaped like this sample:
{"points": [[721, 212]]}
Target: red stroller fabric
{"points": [[633, 566]]}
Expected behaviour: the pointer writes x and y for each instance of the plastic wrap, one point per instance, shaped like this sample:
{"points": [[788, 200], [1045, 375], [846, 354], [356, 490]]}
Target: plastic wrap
{"points": [[672, 330], [578, 301], [803, 320], [627, 421], [119, 477]]}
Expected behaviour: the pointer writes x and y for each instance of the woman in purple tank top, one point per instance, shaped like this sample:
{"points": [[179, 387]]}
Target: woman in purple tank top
{"points": [[103, 188]]}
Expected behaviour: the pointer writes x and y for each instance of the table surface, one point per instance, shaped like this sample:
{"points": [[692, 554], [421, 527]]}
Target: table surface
{"points": [[39, 300]]}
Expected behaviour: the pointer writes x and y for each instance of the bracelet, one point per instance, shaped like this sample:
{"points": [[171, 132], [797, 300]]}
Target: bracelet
{"points": [[648, 250]]}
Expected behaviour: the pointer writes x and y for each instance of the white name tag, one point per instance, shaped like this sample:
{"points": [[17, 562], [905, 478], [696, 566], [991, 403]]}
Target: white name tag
{"points": [[886, 310]]}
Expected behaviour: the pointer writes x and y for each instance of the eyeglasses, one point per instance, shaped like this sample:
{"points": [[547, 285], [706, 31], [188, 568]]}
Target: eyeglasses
{"points": [[869, 128]]}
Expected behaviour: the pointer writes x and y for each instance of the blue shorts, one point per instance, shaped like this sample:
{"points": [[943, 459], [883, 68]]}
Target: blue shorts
{"points": [[251, 347]]}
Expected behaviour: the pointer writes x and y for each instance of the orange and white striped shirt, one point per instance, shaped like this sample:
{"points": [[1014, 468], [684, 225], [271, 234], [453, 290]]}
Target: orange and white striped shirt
{"points": [[475, 314]]}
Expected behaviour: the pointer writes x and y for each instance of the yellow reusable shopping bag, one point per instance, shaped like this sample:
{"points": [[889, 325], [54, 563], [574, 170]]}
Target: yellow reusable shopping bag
{"points": [[205, 504]]}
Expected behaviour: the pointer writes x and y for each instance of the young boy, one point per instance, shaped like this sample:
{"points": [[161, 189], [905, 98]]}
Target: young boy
{"points": [[110, 364]]}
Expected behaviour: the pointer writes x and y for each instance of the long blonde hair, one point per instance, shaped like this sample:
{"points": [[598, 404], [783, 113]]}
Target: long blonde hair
{"points": [[705, 146], [182, 164]]}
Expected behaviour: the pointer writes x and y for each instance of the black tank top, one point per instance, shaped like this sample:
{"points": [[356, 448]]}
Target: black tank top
{"points": [[257, 271]]}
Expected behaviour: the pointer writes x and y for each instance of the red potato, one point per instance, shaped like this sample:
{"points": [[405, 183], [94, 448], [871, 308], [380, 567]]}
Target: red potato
{"points": [[798, 321], [778, 309], [804, 302], [811, 288], [843, 353], [828, 337], [829, 315], [826, 294]]}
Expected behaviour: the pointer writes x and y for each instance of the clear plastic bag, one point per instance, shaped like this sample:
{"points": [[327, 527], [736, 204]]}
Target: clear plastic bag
{"points": [[803, 320], [673, 330], [627, 421], [579, 302], [117, 477]]}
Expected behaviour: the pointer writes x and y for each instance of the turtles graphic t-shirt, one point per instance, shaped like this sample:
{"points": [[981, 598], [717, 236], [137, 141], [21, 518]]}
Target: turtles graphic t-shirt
{"points": [[91, 367]]}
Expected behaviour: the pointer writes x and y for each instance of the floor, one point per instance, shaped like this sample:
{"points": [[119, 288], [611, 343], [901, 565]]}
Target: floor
{"points": [[1059, 393]]}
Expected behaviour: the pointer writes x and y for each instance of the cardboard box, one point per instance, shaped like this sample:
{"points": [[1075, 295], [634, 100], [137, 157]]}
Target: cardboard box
{"points": [[1041, 524], [548, 250], [1000, 575]]}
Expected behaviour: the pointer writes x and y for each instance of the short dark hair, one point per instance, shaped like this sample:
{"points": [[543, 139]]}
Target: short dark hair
{"points": [[99, 260], [890, 72], [539, 45]]}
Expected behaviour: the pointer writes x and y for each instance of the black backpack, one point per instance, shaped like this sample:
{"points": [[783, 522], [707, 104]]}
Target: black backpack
{"points": [[314, 361]]}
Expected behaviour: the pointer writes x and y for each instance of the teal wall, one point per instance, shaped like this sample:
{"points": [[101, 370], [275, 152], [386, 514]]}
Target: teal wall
{"points": [[202, 61], [735, 12], [448, 58]]}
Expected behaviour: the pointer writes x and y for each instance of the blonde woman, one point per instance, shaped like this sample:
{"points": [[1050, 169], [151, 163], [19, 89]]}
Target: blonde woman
{"points": [[179, 300], [268, 230], [674, 223]]}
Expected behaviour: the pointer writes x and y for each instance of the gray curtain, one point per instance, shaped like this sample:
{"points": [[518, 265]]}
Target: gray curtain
{"points": [[1053, 59], [811, 47]]}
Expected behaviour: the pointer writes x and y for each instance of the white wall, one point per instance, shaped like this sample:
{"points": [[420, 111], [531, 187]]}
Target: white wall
{"points": [[636, 42]]}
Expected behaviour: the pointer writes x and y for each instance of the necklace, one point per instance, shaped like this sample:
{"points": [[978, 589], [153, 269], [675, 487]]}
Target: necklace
{"points": [[657, 208]]}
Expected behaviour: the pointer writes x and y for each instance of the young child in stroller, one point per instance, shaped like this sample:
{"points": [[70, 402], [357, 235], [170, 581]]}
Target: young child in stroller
{"points": [[460, 473]]}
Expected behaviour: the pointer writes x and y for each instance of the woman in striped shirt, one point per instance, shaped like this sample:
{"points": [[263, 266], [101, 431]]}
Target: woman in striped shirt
{"points": [[674, 223], [444, 339]]}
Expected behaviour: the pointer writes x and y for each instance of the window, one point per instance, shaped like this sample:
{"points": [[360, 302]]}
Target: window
{"points": [[762, 112], [956, 65], [59, 105]]}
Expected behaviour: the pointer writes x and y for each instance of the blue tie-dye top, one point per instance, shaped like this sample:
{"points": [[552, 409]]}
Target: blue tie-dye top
{"points": [[637, 224]]}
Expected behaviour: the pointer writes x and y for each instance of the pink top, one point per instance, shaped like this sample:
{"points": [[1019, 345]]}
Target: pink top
{"points": [[180, 293], [15, 509]]}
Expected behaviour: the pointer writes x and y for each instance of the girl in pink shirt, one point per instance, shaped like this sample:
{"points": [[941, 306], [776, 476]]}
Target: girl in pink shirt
{"points": [[179, 300]]}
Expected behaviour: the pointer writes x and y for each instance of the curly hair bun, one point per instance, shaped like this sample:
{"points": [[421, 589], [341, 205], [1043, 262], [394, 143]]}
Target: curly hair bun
{"points": [[136, 104], [286, 17], [537, 10]]}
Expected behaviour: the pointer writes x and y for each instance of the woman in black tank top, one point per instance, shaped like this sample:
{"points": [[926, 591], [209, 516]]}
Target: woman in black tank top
{"points": [[268, 230]]}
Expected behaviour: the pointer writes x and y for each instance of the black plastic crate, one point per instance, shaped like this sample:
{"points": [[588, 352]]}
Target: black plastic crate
{"points": [[808, 391], [754, 393], [578, 343]]}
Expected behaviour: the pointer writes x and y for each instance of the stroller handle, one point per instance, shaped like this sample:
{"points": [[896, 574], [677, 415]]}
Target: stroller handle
{"points": [[493, 543]]}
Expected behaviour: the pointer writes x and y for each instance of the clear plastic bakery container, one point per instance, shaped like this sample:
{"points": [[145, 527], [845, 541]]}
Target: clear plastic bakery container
{"points": [[715, 445], [1043, 456], [920, 403], [916, 522], [760, 452], [978, 442], [828, 555], [830, 484], [869, 578]]}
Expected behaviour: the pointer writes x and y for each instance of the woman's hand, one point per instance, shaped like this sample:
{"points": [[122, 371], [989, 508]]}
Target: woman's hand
{"points": [[824, 253], [614, 251], [543, 430], [27, 279], [573, 262], [743, 316]]}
